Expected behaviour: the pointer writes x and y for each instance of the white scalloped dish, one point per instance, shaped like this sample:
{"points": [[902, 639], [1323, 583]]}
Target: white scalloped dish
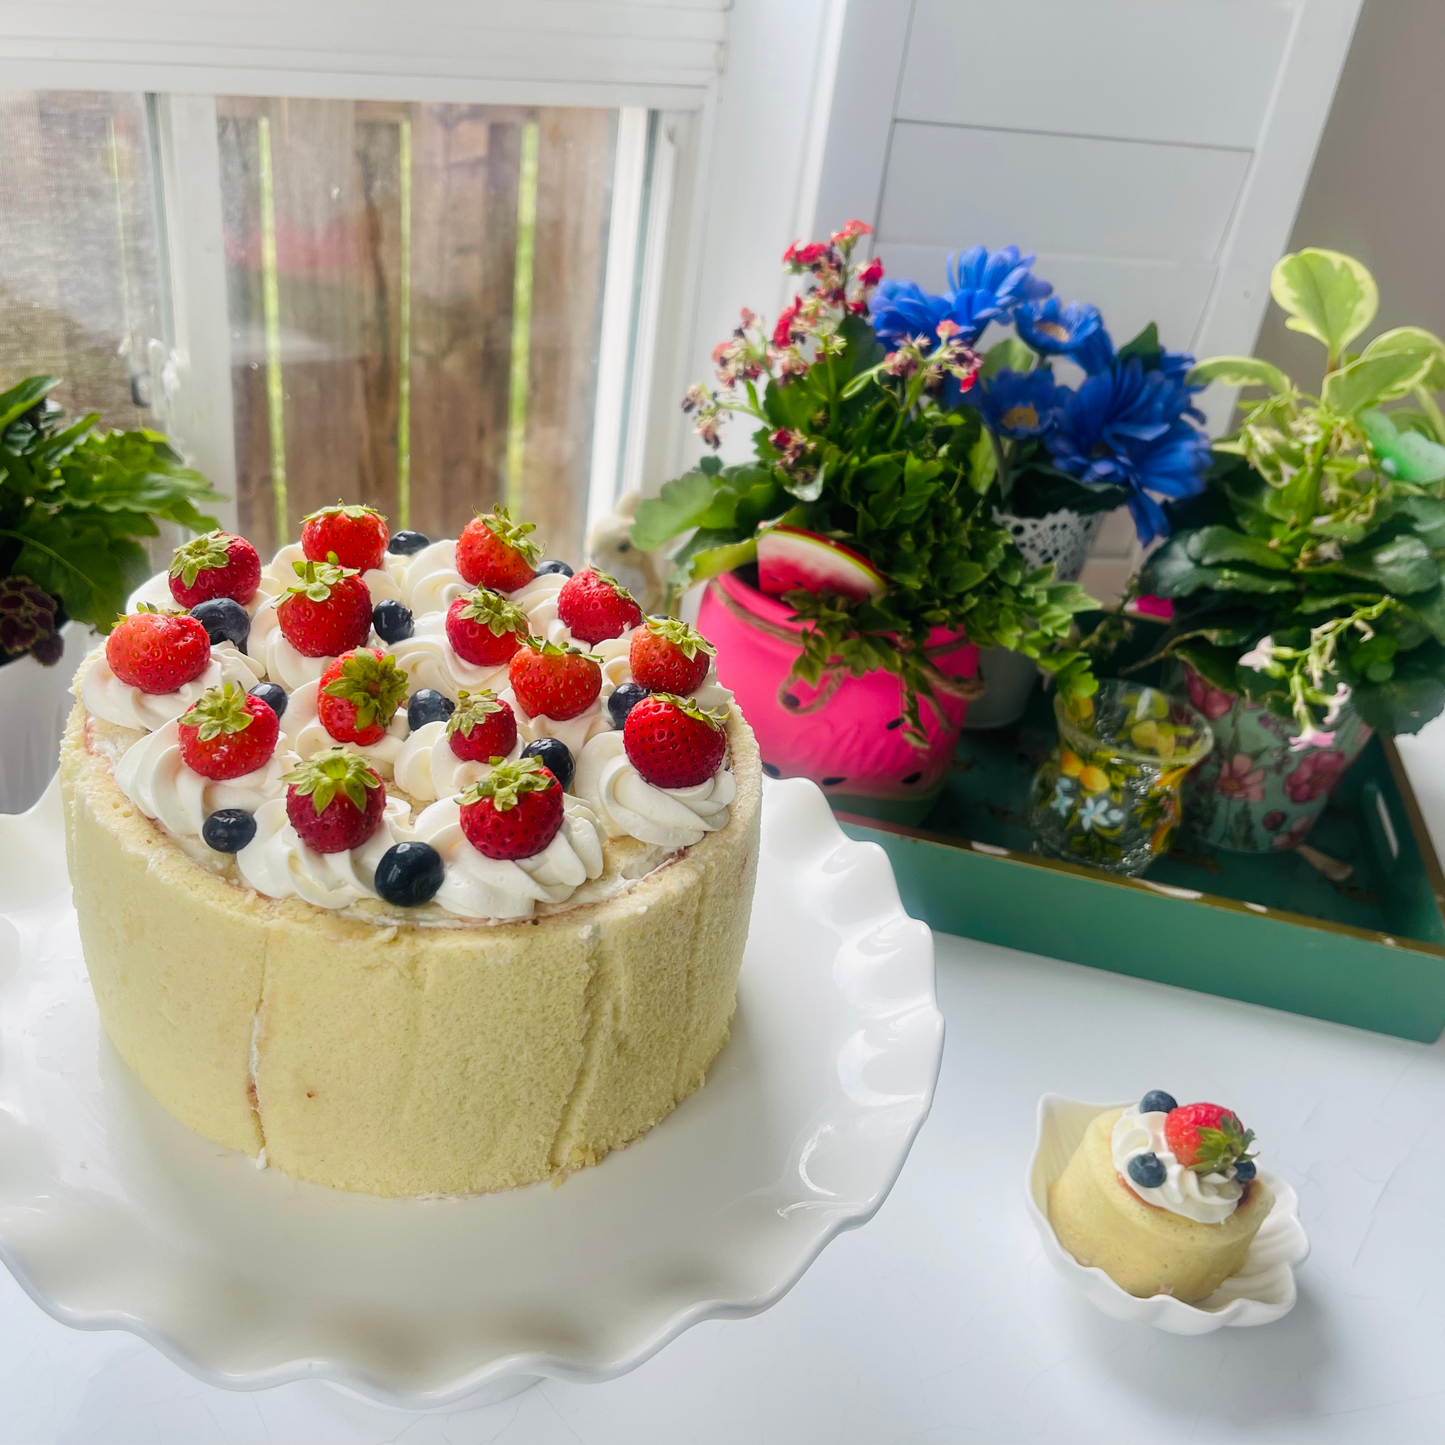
{"points": [[1263, 1291], [113, 1216]]}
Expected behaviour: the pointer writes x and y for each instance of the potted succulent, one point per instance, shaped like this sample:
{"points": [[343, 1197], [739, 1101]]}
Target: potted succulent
{"points": [[74, 502], [855, 563], [1305, 581], [1064, 456]]}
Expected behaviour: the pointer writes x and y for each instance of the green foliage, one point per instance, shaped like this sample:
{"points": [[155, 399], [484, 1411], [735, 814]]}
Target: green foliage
{"points": [[74, 501], [852, 450], [1311, 567]]}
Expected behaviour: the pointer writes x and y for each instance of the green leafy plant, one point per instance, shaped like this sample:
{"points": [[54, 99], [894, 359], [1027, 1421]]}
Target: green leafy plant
{"points": [[73, 503], [854, 445], [1308, 572]]}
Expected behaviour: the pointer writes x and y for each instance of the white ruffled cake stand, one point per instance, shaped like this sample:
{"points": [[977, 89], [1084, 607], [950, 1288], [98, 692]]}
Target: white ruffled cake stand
{"points": [[113, 1216]]}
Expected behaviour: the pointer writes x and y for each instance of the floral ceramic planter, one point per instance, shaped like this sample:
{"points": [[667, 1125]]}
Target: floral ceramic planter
{"points": [[1108, 794], [847, 734], [1259, 792]]}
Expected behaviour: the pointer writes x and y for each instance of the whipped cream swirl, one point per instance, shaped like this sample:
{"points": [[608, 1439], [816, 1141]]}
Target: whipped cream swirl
{"points": [[277, 863], [107, 697], [574, 731], [429, 660], [426, 768], [384, 583], [305, 734], [1204, 1198], [628, 805], [153, 775], [476, 886]]}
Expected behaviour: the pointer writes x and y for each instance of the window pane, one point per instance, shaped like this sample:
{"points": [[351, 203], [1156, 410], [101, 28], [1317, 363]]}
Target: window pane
{"points": [[79, 293], [415, 296]]}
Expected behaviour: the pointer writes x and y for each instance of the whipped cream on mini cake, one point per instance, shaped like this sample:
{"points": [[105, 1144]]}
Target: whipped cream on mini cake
{"points": [[426, 768], [476, 886], [629, 806], [385, 583], [107, 697], [430, 661], [1204, 1198], [303, 732], [153, 775]]}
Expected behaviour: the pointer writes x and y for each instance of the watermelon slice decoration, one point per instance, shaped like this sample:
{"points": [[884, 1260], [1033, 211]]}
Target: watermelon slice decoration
{"points": [[792, 560]]}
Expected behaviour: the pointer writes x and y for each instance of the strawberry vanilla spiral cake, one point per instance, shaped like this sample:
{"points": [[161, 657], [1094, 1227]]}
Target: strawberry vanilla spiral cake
{"points": [[409, 867]]}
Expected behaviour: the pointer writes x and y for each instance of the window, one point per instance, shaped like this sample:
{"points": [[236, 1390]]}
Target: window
{"points": [[414, 293]]}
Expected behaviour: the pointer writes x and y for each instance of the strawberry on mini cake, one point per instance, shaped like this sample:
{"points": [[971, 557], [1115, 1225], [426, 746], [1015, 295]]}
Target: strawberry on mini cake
{"points": [[1163, 1199], [345, 901]]}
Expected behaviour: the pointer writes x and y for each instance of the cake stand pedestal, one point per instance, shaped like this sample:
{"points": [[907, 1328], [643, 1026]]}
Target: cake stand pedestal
{"points": [[113, 1216]]}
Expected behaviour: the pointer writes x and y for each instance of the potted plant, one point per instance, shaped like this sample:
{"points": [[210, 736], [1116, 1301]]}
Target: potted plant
{"points": [[855, 561], [1064, 456], [1305, 581], [73, 503]]}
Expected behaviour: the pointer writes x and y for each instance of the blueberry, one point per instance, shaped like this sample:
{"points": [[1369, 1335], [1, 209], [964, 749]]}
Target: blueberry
{"points": [[224, 619], [1156, 1101], [1146, 1171], [426, 706], [553, 565], [403, 544], [392, 621], [273, 695], [624, 699], [1244, 1171], [228, 830], [556, 756], [409, 874]]}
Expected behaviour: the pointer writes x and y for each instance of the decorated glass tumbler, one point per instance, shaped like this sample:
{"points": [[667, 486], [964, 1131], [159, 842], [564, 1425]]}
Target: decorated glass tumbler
{"points": [[1108, 795]]}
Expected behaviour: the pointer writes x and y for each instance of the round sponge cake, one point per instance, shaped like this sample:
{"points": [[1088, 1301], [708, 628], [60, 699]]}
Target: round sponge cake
{"points": [[1146, 1250], [401, 1058]]}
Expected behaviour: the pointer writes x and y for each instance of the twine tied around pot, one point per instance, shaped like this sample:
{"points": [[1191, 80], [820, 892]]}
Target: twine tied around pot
{"points": [[835, 672]]}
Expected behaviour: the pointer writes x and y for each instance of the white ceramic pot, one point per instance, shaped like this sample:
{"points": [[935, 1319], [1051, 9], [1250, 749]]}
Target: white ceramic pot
{"points": [[34, 704], [1063, 538]]}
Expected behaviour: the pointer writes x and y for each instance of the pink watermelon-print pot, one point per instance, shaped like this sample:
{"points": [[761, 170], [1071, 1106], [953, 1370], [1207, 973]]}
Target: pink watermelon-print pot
{"points": [[846, 735]]}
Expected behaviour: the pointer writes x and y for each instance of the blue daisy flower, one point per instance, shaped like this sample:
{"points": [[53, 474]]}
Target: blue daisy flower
{"points": [[1016, 404], [1128, 428], [901, 310], [1053, 329], [989, 286]]}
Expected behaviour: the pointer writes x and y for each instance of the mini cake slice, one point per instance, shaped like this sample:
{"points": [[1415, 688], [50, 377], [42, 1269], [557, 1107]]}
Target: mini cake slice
{"points": [[1163, 1199]]}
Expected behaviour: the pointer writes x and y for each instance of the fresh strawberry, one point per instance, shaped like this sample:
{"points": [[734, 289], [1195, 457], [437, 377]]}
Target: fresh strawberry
{"points": [[595, 606], [672, 742], [216, 565], [359, 695], [668, 656], [514, 812], [326, 611], [334, 801], [227, 733], [357, 535], [482, 728], [494, 551], [158, 651], [554, 682], [1207, 1138], [484, 628]]}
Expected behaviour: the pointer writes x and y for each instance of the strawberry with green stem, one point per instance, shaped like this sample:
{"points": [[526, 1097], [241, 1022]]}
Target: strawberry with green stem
{"points": [[326, 611], [555, 682], [484, 628], [334, 801], [595, 607], [483, 727], [356, 535], [359, 695], [515, 811], [494, 551], [216, 564], [227, 733], [674, 743], [667, 655], [1208, 1139], [156, 651]]}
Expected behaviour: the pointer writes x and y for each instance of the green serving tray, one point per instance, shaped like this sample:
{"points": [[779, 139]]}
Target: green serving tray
{"points": [[1367, 950]]}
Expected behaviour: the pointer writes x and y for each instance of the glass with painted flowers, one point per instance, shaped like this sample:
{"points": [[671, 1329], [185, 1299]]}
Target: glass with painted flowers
{"points": [[1108, 794]]}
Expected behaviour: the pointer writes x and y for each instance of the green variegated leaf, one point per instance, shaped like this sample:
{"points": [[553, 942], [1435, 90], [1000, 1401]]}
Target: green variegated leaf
{"points": [[1329, 296], [1239, 371]]}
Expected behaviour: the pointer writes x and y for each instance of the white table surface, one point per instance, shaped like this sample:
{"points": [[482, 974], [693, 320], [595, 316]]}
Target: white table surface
{"points": [[940, 1321]]}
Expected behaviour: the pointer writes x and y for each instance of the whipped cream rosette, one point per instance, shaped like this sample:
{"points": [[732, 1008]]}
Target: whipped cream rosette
{"points": [[107, 697], [426, 767], [629, 806], [306, 735]]}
